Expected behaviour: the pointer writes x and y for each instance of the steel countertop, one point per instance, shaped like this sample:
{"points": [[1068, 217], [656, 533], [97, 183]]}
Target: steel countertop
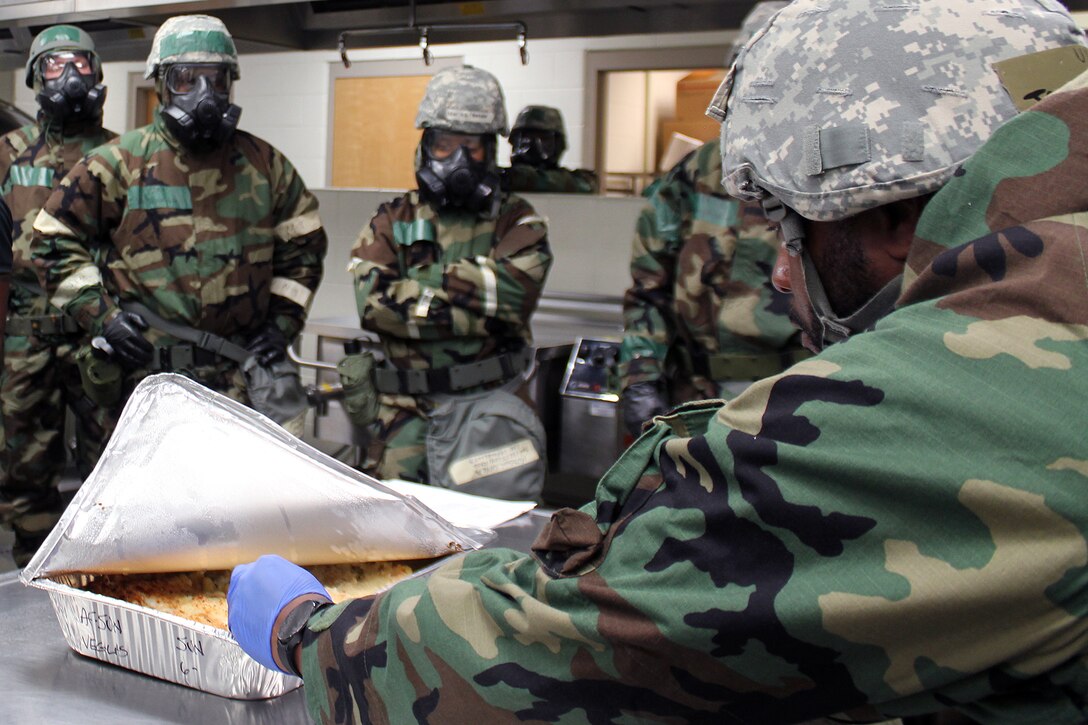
{"points": [[42, 680]]}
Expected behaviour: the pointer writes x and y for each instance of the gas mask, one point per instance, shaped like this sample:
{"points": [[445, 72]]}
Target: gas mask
{"points": [[536, 148], [458, 180], [71, 96], [198, 110]]}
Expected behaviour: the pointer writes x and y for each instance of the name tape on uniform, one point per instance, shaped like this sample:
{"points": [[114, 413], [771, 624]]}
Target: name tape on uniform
{"points": [[497, 460]]}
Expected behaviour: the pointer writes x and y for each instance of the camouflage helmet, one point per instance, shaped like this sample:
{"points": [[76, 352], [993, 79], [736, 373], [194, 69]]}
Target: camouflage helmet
{"points": [[834, 108], [192, 39], [540, 118], [463, 99], [56, 38], [756, 18]]}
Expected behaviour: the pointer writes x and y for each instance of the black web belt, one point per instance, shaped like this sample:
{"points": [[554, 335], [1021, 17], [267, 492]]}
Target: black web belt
{"points": [[25, 326], [453, 378], [200, 348], [28, 325]]}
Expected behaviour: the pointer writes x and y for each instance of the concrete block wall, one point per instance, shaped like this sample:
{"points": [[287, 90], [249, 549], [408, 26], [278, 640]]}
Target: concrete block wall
{"points": [[285, 97]]}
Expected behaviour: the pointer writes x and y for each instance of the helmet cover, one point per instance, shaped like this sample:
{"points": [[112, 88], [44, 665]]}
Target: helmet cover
{"points": [[464, 99], [756, 18], [192, 39], [835, 108]]}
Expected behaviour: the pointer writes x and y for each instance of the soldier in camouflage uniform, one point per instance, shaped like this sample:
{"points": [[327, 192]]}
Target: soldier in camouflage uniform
{"points": [[537, 140], [185, 227], [448, 275], [41, 380], [6, 261], [893, 526], [701, 318]]}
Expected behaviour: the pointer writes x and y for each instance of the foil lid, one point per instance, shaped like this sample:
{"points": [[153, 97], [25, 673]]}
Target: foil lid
{"points": [[192, 480]]}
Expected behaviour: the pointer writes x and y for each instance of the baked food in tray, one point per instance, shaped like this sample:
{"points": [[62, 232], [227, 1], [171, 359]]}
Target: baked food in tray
{"points": [[201, 596]]}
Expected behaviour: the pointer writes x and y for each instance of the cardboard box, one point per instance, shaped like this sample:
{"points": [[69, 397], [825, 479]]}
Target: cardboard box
{"points": [[694, 93]]}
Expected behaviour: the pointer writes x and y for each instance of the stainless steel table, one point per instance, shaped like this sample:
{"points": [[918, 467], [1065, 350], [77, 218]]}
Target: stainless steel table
{"points": [[41, 680]]}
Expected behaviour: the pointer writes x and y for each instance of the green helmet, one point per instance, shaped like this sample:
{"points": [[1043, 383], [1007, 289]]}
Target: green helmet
{"points": [[192, 39], [540, 118], [463, 99], [537, 138], [59, 37]]}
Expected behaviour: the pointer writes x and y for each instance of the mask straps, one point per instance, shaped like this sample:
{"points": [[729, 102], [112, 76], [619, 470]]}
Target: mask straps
{"points": [[832, 327]]}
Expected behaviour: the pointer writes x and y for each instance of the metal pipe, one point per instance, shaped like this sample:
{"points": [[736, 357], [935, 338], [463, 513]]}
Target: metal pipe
{"points": [[297, 359], [424, 32]]}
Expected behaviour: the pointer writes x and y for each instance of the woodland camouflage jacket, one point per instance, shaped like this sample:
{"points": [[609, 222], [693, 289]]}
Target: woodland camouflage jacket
{"points": [[33, 161], [701, 285], [222, 242], [894, 526], [525, 177], [449, 288]]}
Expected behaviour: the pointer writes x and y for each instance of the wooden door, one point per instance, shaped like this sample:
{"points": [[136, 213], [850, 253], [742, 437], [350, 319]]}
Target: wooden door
{"points": [[374, 136], [146, 103]]}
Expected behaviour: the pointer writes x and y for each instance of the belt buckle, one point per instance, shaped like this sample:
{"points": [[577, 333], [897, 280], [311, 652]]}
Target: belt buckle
{"points": [[205, 342], [182, 357], [404, 382], [439, 380], [176, 357]]}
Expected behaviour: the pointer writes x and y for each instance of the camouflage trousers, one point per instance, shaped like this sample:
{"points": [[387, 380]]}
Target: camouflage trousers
{"points": [[40, 384], [398, 441]]}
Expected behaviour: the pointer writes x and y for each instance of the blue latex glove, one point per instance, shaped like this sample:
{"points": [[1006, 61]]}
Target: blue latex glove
{"points": [[257, 594]]}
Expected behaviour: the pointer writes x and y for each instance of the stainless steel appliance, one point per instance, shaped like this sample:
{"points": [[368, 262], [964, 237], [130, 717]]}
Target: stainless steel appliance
{"points": [[590, 430]]}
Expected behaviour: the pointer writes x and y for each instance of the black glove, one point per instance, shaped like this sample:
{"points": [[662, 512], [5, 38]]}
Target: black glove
{"points": [[639, 403], [270, 345], [124, 334]]}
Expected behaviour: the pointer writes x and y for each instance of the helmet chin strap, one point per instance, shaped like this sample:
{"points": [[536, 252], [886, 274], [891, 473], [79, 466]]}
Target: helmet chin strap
{"points": [[832, 327]]}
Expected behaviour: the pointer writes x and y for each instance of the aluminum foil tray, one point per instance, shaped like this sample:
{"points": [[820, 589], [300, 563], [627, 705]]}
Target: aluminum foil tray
{"points": [[170, 494], [159, 644]]}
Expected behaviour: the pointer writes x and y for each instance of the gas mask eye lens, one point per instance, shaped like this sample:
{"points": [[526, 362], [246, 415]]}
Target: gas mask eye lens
{"points": [[180, 79], [535, 147], [542, 140], [443, 144], [53, 64], [475, 147], [183, 78]]}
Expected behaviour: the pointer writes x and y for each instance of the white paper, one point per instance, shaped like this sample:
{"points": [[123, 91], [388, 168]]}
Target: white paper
{"points": [[462, 509]]}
